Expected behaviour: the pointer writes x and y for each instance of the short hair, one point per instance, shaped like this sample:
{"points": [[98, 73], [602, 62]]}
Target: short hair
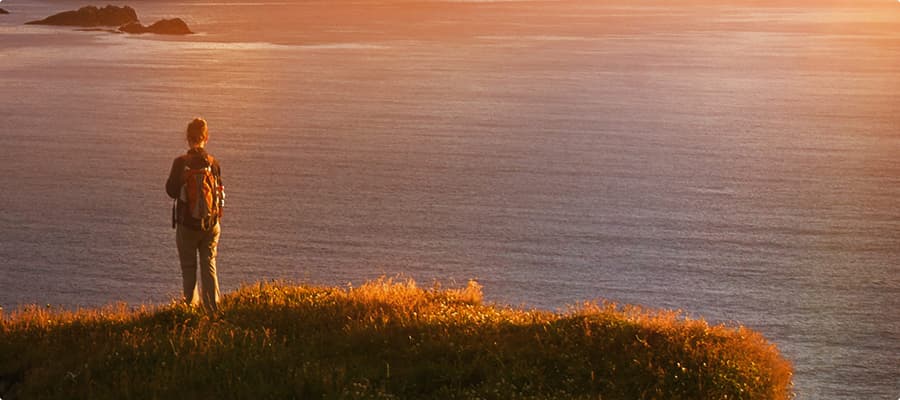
{"points": [[197, 131]]}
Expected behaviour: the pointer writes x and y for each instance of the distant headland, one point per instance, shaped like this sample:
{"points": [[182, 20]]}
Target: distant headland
{"points": [[125, 18], [2, 11]]}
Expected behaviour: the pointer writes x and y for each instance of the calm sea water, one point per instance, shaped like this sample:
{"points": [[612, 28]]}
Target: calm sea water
{"points": [[737, 162]]}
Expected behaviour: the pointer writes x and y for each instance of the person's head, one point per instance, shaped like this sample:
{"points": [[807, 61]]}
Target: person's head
{"points": [[197, 133]]}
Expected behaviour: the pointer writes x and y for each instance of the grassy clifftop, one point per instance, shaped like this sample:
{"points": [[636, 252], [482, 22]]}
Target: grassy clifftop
{"points": [[384, 339]]}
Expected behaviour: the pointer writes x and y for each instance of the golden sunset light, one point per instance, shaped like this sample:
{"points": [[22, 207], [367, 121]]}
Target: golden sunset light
{"points": [[433, 199]]}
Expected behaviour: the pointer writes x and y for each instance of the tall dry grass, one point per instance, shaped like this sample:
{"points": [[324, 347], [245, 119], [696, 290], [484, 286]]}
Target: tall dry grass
{"points": [[384, 339]]}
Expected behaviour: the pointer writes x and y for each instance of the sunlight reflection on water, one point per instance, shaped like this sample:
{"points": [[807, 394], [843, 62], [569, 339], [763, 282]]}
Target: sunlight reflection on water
{"points": [[553, 153]]}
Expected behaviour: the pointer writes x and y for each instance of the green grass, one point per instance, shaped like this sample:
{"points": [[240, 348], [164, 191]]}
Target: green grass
{"points": [[384, 339]]}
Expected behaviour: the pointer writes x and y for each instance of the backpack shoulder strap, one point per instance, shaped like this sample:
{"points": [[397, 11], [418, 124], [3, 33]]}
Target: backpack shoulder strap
{"points": [[213, 165], [190, 161]]}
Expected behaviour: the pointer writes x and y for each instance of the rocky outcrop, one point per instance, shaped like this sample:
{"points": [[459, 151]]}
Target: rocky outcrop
{"points": [[2, 11], [174, 26], [125, 18], [91, 16]]}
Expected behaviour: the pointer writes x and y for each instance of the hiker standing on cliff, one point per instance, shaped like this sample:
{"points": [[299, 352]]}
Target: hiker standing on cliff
{"points": [[195, 183]]}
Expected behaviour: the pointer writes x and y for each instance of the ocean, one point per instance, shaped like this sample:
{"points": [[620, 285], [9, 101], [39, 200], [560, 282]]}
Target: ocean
{"points": [[737, 160]]}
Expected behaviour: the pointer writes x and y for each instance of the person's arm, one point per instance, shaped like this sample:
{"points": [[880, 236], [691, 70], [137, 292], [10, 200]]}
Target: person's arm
{"points": [[219, 173], [173, 184]]}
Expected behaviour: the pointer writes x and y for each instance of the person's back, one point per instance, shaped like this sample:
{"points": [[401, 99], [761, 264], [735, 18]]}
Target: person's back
{"points": [[195, 183]]}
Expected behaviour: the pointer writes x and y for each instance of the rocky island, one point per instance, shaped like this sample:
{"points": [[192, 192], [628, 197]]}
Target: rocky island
{"points": [[174, 26], [125, 18], [91, 16]]}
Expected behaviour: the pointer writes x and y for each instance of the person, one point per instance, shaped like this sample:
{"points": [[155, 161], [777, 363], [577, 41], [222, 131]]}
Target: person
{"points": [[196, 236]]}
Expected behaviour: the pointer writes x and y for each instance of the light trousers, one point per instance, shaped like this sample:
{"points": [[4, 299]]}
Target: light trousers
{"points": [[203, 245]]}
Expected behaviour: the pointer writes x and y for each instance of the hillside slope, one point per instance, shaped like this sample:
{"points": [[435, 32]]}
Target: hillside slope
{"points": [[384, 339]]}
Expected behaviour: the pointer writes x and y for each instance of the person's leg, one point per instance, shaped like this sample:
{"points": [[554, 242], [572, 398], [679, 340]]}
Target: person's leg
{"points": [[209, 281], [187, 240]]}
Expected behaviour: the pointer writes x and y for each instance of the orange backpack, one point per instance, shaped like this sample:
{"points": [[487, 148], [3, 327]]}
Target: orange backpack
{"points": [[202, 193]]}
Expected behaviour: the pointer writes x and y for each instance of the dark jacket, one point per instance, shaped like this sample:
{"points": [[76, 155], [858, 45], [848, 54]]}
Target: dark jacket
{"points": [[195, 158]]}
